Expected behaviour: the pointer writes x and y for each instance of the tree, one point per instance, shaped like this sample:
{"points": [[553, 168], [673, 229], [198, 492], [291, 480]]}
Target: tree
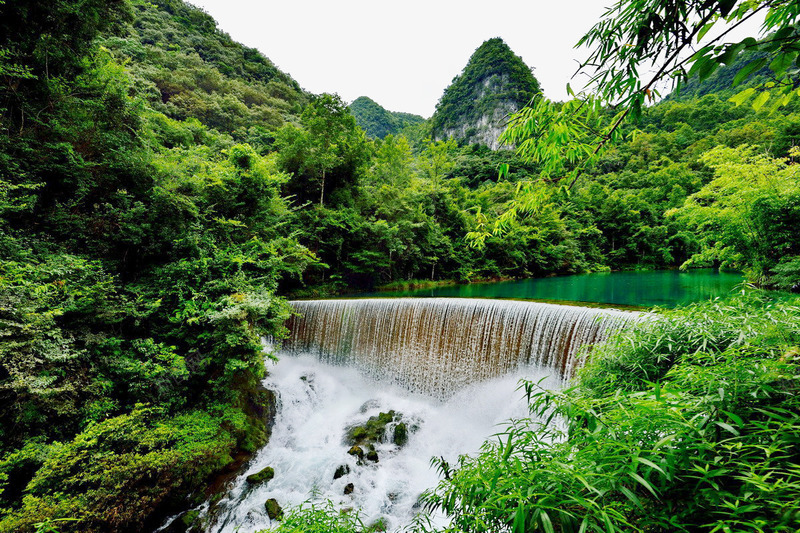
{"points": [[437, 160], [632, 37], [329, 144], [748, 216]]}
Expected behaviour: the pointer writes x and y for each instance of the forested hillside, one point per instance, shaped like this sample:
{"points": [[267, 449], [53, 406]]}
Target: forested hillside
{"points": [[377, 122], [162, 188], [141, 248], [181, 65]]}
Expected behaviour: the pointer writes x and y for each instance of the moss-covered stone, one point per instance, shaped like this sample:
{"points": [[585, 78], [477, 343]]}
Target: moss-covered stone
{"points": [[373, 430], [400, 434], [356, 451], [358, 434], [261, 477], [188, 522], [341, 471], [274, 510], [372, 455], [189, 518]]}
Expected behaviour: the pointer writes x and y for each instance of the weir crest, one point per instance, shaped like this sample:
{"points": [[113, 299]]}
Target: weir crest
{"points": [[437, 346]]}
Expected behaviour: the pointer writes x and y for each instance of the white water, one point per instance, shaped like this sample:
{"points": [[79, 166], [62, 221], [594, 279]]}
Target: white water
{"points": [[319, 401], [450, 366]]}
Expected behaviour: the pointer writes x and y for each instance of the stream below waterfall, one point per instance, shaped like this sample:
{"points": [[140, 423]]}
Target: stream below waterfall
{"points": [[319, 401]]}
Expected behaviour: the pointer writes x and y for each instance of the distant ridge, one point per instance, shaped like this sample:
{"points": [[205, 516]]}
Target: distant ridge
{"points": [[377, 121], [495, 83]]}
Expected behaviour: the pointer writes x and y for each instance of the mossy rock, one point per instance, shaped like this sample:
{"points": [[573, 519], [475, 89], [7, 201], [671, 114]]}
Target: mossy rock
{"points": [[358, 434], [274, 510], [400, 435], [341, 471], [349, 488], [372, 455], [189, 518], [188, 522], [356, 451], [261, 477], [373, 430]]}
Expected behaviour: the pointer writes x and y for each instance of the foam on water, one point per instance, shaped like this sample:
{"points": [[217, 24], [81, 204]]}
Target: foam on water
{"points": [[450, 366], [318, 402]]}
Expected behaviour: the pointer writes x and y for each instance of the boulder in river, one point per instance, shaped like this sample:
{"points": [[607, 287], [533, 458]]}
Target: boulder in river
{"points": [[274, 511], [261, 476]]}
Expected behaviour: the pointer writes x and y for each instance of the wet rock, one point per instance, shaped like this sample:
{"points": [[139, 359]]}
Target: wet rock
{"points": [[372, 455], [349, 488], [373, 430], [377, 525], [358, 434], [341, 471], [261, 477], [274, 511], [356, 451], [188, 522], [400, 434]]}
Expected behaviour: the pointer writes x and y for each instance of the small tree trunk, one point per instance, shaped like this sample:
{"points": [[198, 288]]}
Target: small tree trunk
{"points": [[322, 190]]}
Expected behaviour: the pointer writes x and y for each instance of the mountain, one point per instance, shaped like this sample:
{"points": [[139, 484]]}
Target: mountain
{"points": [[379, 122], [720, 82], [186, 67], [495, 83]]}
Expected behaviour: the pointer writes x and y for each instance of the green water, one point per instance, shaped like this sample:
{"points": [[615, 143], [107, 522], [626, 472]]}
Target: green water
{"points": [[663, 288]]}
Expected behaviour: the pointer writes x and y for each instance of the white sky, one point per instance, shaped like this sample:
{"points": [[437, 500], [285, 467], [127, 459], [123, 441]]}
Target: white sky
{"points": [[404, 54]]}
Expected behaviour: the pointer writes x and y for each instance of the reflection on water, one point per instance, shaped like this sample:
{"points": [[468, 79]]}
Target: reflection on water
{"points": [[662, 288]]}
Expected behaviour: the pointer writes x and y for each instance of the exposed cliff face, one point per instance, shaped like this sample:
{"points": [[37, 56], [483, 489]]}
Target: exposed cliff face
{"points": [[484, 129], [475, 107]]}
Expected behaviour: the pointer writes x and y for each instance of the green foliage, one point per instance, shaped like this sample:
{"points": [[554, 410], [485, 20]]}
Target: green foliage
{"points": [[315, 518], [706, 442], [328, 150], [634, 33], [139, 457], [747, 215], [377, 122], [139, 259], [185, 67]]}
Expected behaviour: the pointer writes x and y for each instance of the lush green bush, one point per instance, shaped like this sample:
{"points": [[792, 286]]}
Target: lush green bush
{"points": [[319, 518]]}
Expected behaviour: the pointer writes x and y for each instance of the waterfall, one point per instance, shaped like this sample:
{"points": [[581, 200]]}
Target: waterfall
{"points": [[439, 345], [448, 367]]}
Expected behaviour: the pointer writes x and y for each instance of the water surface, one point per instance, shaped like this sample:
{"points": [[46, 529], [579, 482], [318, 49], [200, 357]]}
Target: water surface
{"points": [[658, 288]]}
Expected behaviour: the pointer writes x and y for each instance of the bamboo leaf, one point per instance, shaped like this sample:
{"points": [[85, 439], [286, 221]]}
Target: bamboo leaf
{"points": [[760, 100]]}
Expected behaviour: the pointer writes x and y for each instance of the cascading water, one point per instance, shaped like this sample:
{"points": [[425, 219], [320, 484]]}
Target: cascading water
{"points": [[439, 345], [450, 367]]}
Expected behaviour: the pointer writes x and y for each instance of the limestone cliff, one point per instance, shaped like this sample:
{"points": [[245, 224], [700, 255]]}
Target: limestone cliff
{"points": [[474, 108]]}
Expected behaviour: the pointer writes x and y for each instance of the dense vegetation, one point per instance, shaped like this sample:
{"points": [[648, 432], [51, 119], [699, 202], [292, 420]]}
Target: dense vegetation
{"points": [[688, 422], [377, 122], [140, 256], [161, 184]]}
